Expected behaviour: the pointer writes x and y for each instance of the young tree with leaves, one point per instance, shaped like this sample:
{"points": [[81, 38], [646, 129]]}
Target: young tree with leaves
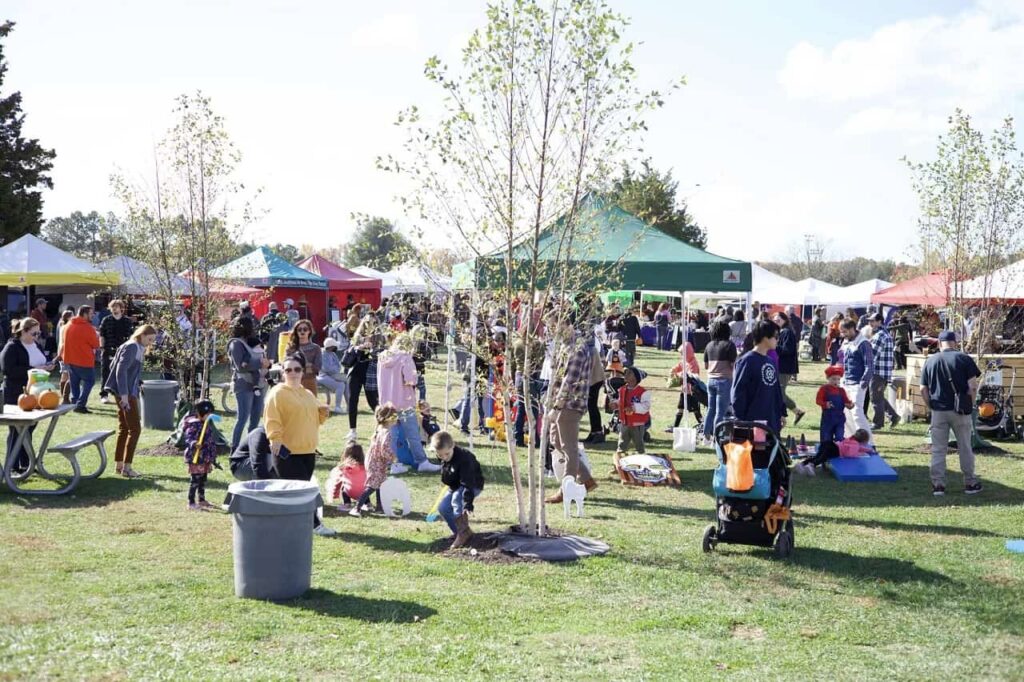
{"points": [[972, 212], [182, 226], [25, 164], [545, 103]]}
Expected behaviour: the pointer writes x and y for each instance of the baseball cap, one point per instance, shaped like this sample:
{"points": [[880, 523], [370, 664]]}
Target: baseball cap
{"points": [[948, 336], [289, 301], [330, 343], [877, 317]]}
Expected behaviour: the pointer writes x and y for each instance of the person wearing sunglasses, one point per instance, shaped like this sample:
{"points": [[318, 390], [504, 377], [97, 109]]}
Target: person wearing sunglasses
{"points": [[21, 354], [302, 343], [292, 421]]}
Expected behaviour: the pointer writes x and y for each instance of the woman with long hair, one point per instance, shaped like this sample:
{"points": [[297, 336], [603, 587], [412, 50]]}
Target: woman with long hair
{"points": [[292, 421], [302, 342], [368, 341], [719, 360], [661, 324], [789, 363], [246, 368], [124, 381], [21, 353]]}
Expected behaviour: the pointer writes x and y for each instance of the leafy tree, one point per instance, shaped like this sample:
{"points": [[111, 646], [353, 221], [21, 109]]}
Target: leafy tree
{"points": [[87, 235], [378, 244], [24, 165], [651, 196]]}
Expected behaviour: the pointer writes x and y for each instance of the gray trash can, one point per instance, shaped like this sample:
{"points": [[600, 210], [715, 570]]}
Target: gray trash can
{"points": [[157, 404], [273, 537]]}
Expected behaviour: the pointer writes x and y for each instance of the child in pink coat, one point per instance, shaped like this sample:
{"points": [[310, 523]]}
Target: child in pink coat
{"points": [[348, 479]]}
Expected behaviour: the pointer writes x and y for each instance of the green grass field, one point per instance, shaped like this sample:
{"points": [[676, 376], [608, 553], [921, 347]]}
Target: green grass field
{"points": [[119, 581]]}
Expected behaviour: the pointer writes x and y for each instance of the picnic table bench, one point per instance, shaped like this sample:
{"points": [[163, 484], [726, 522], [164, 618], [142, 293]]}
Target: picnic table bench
{"points": [[20, 421]]}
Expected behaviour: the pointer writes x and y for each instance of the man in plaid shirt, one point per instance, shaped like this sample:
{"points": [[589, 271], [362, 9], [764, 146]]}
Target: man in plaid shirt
{"points": [[570, 402], [883, 348]]}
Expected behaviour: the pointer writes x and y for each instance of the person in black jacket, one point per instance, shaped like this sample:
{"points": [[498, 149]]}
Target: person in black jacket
{"points": [[251, 461], [21, 353], [630, 333], [461, 472], [115, 329], [789, 363]]}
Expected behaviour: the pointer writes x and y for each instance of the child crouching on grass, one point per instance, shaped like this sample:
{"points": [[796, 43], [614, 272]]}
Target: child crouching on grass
{"points": [[347, 480], [378, 462], [857, 445], [461, 472]]}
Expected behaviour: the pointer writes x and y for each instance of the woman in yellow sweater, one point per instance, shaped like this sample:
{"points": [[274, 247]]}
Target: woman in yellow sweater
{"points": [[292, 419]]}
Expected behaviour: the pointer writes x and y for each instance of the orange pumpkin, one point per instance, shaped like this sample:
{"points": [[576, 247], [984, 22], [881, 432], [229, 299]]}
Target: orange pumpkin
{"points": [[49, 400], [27, 402]]}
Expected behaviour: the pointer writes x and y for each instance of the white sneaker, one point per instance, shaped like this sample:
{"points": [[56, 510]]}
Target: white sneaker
{"points": [[352, 437], [338, 411], [354, 511], [324, 532], [426, 467], [398, 468]]}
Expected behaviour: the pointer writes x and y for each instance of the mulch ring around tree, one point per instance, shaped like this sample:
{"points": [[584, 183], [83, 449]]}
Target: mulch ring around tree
{"points": [[162, 450], [512, 547]]}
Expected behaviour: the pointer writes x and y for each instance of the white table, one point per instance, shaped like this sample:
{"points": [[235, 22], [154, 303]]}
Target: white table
{"points": [[20, 420]]}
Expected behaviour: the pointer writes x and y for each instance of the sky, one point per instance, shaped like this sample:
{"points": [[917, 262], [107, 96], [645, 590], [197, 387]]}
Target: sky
{"points": [[794, 119]]}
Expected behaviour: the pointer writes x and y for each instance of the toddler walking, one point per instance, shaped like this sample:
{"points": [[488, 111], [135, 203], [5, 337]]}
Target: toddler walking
{"points": [[832, 400], [613, 360], [379, 459], [461, 472], [634, 406], [200, 453]]}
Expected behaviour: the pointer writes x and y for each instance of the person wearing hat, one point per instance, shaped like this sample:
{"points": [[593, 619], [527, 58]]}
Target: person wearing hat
{"points": [[949, 381], [884, 350], [833, 400], [332, 377], [634, 406], [858, 368]]}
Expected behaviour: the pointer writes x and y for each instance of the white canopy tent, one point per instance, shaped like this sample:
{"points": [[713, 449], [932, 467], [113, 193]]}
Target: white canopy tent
{"points": [[138, 279], [412, 279], [1005, 284], [763, 279], [860, 294], [808, 291], [29, 261]]}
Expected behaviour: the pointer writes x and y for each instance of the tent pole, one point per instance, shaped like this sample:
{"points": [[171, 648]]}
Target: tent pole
{"points": [[686, 334]]}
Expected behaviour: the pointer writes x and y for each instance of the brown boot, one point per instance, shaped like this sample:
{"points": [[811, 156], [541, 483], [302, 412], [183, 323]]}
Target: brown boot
{"points": [[590, 484], [463, 533], [554, 499]]}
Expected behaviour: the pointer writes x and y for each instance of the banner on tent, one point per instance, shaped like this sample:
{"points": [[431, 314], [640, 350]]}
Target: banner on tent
{"points": [[730, 276]]}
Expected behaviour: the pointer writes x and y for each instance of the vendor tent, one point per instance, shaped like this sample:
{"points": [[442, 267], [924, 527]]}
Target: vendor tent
{"points": [[764, 279], [263, 269], [808, 291], [138, 279], [367, 271], [29, 261], [860, 294], [931, 289], [611, 249], [414, 279], [1005, 285], [342, 282]]}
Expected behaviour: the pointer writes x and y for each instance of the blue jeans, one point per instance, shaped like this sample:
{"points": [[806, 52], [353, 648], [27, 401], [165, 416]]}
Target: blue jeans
{"points": [[535, 385], [408, 433], [664, 334], [453, 505], [421, 386], [250, 409], [467, 411], [82, 380], [719, 393]]}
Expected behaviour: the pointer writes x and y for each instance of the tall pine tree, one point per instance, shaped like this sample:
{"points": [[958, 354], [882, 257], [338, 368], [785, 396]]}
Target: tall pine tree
{"points": [[651, 196], [24, 165]]}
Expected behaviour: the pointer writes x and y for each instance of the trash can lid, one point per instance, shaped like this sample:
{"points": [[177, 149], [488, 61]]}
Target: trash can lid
{"points": [[250, 496], [160, 383]]}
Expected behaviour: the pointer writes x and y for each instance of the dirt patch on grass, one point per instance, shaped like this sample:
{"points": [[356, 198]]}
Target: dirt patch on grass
{"points": [[483, 548], [162, 450], [33, 542], [748, 632]]}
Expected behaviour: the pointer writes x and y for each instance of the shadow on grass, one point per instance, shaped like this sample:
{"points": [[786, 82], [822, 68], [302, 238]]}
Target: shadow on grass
{"points": [[857, 566], [640, 505], [387, 544], [354, 607], [88, 493], [898, 526], [913, 489]]}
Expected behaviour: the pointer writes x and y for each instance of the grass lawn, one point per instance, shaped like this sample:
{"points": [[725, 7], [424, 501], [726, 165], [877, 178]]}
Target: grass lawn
{"points": [[119, 581]]}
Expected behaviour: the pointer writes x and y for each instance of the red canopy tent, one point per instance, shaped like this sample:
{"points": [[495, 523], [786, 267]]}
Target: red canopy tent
{"points": [[342, 283], [931, 289]]}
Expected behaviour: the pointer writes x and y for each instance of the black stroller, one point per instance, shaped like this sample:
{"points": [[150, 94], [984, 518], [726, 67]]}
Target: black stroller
{"points": [[741, 515]]}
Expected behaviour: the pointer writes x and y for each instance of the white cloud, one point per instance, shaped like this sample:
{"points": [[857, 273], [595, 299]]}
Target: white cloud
{"points": [[391, 31], [909, 75]]}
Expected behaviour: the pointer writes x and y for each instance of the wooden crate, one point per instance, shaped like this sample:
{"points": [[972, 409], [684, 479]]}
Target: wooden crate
{"points": [[916, 362]]}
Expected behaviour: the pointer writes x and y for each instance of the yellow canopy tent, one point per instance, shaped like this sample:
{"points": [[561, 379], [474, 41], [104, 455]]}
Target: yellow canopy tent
{"points": [[29, 261]]}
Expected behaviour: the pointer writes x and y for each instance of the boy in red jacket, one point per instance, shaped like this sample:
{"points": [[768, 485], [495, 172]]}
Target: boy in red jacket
{"points": [[832, 400], [634, 405]]}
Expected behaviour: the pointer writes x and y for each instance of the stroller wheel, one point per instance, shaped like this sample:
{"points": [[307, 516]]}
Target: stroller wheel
{"points": [[784, 543], [710, 539]]}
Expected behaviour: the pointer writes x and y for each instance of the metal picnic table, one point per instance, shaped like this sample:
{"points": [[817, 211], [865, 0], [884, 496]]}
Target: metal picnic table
{"points": [[20, 420]]}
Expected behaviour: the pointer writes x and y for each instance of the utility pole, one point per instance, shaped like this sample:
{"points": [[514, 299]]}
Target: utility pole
{"points": [[812, 251]]}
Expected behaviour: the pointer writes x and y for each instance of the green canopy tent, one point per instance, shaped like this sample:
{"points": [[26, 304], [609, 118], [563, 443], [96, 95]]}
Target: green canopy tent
{"points": [[615, 250]]}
